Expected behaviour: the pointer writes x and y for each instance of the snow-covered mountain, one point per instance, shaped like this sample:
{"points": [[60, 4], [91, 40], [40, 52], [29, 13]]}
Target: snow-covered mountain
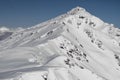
{"points": [[4, 33], [72, 46]]}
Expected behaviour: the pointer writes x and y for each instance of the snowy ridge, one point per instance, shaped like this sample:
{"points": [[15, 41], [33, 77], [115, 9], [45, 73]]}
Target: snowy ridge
{"points": [[73, 46]]}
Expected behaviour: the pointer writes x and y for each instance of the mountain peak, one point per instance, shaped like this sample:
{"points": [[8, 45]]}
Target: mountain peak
{"points": [[76, 10]]}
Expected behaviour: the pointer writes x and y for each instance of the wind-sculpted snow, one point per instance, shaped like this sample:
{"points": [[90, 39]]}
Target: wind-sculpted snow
{"points": [[73, 46]]}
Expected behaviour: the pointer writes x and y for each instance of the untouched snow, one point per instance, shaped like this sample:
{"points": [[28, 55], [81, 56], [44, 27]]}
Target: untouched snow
{"points": [[73, 46], [4, 33], [4, 29]]}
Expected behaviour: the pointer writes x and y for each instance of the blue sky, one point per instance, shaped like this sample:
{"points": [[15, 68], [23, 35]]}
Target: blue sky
{"points": [[26, 13]]}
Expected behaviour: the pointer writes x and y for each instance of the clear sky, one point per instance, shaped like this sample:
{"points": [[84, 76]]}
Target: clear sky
{"points": [[26, 13]]}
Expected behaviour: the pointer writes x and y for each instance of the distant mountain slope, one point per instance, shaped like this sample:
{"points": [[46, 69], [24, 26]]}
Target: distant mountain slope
{"points": [[73, 46], [4, 33]]}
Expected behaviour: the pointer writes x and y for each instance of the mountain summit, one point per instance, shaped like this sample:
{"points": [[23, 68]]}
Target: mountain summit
{"points": [[72, 46]]}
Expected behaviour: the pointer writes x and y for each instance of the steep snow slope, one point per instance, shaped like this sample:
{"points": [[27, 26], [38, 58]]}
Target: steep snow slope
{"points": [[73, 46]]}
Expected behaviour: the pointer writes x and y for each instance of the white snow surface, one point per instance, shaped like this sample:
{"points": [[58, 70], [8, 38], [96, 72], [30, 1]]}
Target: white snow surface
{"points": [[73, 46], [4, 33]]}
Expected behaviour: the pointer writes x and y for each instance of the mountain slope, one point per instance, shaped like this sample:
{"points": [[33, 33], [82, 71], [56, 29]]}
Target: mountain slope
{"points": [[69, 47], [4, 33]]}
